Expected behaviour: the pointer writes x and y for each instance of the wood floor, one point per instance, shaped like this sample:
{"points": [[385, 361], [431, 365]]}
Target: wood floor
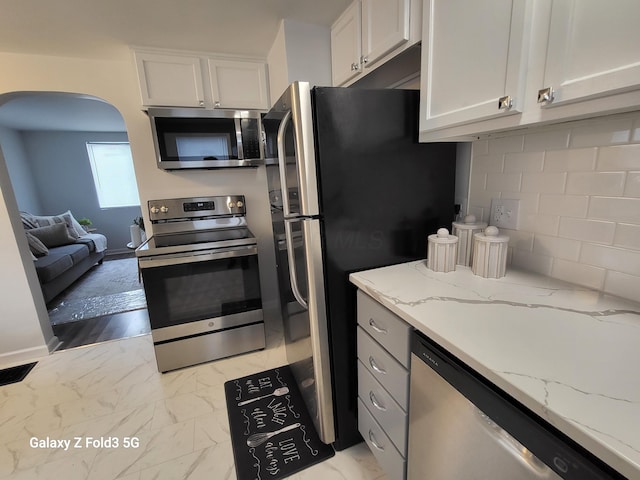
{"points": [[102, 329]]}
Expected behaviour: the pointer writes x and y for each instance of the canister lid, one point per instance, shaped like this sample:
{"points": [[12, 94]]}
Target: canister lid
{"points": [[491, 234], [442, 236], [469, 223]]}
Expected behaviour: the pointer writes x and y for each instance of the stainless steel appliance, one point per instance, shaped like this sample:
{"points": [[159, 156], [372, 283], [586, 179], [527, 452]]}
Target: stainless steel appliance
{"points": [[197, 138], [360, 192], [201, 280], [463, 427]]}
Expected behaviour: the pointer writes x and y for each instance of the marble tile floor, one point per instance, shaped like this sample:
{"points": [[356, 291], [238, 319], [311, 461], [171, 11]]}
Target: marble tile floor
{"points": [[175, 423]]}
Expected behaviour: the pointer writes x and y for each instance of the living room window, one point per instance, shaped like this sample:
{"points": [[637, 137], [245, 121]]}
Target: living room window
{"points": [[113, 174]]}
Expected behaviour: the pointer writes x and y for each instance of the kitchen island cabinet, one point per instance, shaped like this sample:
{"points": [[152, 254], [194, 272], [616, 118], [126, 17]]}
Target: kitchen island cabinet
{"points": [[528, 62], [567, 353]]}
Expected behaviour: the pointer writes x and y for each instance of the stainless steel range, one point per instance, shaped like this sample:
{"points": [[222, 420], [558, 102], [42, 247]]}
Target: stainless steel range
{"points": [[201, 280]]}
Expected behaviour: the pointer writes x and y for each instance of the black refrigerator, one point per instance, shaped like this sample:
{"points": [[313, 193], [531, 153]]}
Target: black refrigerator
{"points": [[350, 189]]}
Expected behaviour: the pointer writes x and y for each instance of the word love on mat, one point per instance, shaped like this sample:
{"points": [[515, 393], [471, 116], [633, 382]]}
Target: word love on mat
{"points": [[271, 431]]}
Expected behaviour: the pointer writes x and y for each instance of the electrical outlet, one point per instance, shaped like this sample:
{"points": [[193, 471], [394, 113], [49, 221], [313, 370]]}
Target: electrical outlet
{"points": [[504, 213]]}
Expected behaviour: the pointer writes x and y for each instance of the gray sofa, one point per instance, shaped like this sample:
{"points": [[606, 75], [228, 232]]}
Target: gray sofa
{"points": [[61, 250], [63, 265]]}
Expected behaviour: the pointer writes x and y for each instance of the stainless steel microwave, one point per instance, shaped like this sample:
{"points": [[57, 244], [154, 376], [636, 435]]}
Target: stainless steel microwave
{"points": [[186, 138]]}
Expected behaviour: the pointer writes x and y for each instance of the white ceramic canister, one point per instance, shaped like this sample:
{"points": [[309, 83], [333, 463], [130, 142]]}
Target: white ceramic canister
{"points": [[465, 231], [490, 253], [442, 251]]}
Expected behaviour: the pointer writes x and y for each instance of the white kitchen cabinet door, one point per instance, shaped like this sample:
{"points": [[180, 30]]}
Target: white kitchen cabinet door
{"points": [[239, 84], [473, 64], [593, 49], [346, 45], [169, 80], [385, 26]]}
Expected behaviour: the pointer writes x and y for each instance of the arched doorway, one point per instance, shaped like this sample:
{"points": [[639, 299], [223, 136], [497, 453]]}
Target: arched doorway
{"points": [[44, 137]]}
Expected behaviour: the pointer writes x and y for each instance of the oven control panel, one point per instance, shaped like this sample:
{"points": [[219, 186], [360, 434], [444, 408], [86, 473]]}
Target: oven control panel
{"points": [[196, 207]]}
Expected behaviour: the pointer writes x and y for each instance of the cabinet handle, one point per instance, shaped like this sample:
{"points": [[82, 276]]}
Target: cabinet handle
{"points": [[355, 67], [364, 60], [376, 403], [216, 105], [545, 95], [201, 102], [505, 103], [373, 440], [378, 329], [375, 366]]}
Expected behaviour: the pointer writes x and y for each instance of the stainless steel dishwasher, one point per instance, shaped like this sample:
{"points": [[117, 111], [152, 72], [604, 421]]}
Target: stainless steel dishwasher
{"points": [[462, 427]]}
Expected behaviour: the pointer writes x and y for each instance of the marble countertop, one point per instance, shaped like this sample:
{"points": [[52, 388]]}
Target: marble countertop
{"points": [[568, 353]]}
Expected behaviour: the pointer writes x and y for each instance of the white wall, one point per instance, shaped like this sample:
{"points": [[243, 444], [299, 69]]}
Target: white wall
{"points": [[579, 191], [115, 81]]}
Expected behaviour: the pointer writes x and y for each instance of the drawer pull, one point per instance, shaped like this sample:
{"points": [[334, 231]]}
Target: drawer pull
{"points": [[373, 440], [375, 366], [376, 403], [378, 329]]}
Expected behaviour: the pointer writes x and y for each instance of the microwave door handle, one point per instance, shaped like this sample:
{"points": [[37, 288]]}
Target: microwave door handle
{"points": [[293, 273], [240, 149], [282, 166]]}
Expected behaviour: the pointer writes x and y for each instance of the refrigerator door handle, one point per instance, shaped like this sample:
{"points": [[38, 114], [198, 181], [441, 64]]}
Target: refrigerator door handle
{"points": [[293, 273], [282, 164]]}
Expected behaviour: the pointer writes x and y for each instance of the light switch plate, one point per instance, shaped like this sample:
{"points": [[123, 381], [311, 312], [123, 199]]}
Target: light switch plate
{"points": [[504, 213]]}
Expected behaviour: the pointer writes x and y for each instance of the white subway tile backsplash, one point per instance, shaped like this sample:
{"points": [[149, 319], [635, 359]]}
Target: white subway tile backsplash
{"points": [[579, 191], [539, 224], [627, 236], [595, 231], [544, 182], [549, 140], [488, 163], [622, 285], [504, 182], [574, 160], [580, 274], [556, 247], [532, 262], [611, 258], [595, 183], [506, 144], [617, 209], [600, 133], [623, 157], [564, 205], [632, 187], [523, 162]]}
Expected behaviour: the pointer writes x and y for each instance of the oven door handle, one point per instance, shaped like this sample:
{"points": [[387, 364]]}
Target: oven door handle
{"points": [[193, 257]]}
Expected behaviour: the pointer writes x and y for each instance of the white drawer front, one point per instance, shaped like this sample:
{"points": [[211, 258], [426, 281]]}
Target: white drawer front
{"points": [[386, 328], [384, 368], [388, 457], [383, 408]]}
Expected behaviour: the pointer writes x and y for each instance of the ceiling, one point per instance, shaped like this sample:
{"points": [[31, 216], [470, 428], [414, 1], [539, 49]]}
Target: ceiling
{"points": [[107, 28]]}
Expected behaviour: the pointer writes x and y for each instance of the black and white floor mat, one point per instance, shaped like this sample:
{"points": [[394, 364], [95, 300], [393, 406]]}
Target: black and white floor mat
{"points": [[271, 431]]}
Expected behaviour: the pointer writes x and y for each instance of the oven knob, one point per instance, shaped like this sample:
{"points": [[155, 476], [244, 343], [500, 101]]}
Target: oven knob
{"points": [[154, 210], [239, 204], [231, 204], [164, 209]]}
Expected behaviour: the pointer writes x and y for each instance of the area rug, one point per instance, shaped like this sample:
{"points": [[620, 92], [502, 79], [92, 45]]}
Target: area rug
{"points": [[271, 431], [15, 374]]}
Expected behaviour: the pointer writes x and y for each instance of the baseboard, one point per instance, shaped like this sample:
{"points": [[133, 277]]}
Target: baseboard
{"points": [[25, 355]]}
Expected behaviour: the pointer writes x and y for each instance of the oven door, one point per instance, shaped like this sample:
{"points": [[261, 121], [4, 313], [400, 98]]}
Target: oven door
{"points": [[200, 286]]}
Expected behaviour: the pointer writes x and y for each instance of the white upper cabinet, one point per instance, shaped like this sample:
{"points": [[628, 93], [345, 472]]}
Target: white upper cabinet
{"points": [[371, 32], [182, 79], [239, 84], [346, 45], [385, 26], [472, 61], [557, 60], [169, 80], [592, 50]]}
